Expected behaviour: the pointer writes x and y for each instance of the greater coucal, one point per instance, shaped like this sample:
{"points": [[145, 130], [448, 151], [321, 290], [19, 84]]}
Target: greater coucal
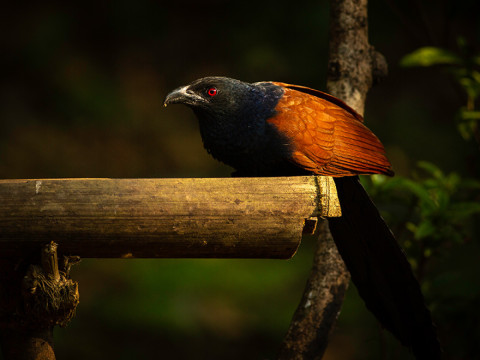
{"points": [[277, 129]]}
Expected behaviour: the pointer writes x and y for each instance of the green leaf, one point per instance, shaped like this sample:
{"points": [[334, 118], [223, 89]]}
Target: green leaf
{"points": [[465, 130], [428, 56], [378, 180], [432, 169], [411, 226], [426, 201], [443, 199], [475, 76], [452, 181], [471, 86], [469, 114], [425, 229], [467, 122]]}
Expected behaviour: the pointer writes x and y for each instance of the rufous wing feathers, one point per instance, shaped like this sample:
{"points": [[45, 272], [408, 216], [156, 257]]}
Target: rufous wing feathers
{"points": [[328, 137]]}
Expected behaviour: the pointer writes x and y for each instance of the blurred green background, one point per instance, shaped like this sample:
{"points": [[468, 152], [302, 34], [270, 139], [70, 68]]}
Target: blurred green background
{"points": [[81, 96]]}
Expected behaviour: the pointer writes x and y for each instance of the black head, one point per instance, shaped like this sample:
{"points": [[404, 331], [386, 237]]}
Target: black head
{"points": [[208, 90], [216, 97], [228, 107]]}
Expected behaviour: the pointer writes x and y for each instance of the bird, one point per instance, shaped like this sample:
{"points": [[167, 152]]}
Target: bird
{"points": [[272, 128]]}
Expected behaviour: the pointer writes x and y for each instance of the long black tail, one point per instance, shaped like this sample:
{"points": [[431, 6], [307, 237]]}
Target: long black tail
{"points": [[380, 270]]}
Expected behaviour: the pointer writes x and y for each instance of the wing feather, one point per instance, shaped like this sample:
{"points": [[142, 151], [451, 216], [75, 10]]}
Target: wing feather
{"points": [[328, 137]]}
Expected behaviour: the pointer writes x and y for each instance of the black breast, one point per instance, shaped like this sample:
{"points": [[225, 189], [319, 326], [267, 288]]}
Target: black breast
{"points": [[240, 136]]}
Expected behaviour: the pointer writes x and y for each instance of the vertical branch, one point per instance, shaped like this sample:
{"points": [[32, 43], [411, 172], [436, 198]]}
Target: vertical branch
{"points": [[312, 323], [354, 65], [352, 69]]}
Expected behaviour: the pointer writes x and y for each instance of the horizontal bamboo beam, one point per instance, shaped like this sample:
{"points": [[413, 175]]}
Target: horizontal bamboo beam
{"points": [[158, 218]]}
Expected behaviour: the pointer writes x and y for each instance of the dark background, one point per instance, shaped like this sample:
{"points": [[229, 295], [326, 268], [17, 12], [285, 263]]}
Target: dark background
{"points": [[81, 96]]}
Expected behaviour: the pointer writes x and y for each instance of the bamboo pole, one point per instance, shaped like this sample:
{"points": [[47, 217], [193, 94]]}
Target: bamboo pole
{"points": [[158, 218]]}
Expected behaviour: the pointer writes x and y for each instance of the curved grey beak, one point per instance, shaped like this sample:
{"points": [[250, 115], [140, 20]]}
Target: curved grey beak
{"points": [[182, 95]]}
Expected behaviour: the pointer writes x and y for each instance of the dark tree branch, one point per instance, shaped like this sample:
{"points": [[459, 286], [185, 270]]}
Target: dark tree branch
{"points": [[354, 66], [307, 337]]}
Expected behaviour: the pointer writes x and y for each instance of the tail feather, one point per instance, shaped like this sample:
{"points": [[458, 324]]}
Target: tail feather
{"points": [[381, 271]]}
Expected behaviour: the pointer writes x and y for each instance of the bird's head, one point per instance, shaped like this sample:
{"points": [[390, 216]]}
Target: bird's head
{"points": [[209, 94], [222, 98]]}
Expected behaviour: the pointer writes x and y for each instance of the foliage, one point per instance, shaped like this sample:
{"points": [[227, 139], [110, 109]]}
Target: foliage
{"points": [[434, 215], [435, 207], [464, 67], [430, 55]]}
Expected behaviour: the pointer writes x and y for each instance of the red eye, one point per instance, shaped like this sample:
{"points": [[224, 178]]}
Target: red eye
{"points": [[212, 91]]}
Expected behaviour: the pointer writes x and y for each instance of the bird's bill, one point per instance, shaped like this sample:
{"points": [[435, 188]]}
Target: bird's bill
{"points": [[182, 95]]}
